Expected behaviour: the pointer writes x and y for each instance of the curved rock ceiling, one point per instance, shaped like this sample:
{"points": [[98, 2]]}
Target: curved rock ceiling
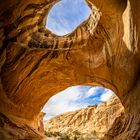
{"points": [[35, 64]]}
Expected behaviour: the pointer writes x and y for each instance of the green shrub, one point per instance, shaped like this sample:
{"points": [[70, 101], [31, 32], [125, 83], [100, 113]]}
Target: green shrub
{"points": [[76, 135]]}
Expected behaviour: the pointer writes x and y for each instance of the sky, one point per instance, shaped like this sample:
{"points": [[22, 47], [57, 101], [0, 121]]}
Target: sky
{"points": [[74, 98], [62, 19], [66, 15]]}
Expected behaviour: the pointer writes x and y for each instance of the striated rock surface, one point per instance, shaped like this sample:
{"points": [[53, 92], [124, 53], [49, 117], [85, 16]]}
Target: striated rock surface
{"points": [[36, 64], [86, 121], [11, 130]]}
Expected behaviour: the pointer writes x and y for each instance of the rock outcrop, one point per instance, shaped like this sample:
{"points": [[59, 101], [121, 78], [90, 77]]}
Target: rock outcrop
{"points": [[93, 119], [36, 64]]}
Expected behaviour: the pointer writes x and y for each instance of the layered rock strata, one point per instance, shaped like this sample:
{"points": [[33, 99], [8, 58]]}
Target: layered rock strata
{"points": [[93, 119], [36, 64]]}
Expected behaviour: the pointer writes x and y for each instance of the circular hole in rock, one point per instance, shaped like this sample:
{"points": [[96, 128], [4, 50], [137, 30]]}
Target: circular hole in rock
{"points": [[66, 15]]}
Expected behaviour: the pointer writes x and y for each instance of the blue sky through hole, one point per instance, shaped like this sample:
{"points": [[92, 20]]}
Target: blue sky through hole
{"points": [[74, 98], [66, 15], [63, 18]]}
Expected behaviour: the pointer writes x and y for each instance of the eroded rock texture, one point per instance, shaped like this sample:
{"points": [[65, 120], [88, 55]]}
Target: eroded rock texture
{"points": [[10, 130], [86, 121], [36, 64]]}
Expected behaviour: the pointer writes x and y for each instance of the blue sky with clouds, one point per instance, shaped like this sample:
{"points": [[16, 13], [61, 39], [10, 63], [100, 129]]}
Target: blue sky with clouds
{"points": [[63, 18], [66, 15], [74, 98]]}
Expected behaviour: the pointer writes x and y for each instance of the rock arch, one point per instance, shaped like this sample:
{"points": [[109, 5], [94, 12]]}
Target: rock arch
{"points": [[35, 64]]}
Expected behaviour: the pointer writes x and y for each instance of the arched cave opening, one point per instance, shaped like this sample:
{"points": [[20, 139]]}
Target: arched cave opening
{"points": [[66, 15], [35, 64], [84, 112]]}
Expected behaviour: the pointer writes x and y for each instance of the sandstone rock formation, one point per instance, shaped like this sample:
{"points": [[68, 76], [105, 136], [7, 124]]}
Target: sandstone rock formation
{"points": [[36, 64], [11, 130], [93, 119]]}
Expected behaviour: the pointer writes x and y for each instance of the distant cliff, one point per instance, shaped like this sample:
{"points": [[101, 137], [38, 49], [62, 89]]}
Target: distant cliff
{"points": [[88, 123]]}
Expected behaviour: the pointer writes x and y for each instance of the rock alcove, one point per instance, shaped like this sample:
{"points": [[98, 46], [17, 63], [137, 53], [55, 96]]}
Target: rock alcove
{"points": [[36, 64]]}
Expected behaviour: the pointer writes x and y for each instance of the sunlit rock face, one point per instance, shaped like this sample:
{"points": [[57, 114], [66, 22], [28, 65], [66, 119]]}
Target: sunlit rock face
{"points": [[93, 121], [36, 64]]}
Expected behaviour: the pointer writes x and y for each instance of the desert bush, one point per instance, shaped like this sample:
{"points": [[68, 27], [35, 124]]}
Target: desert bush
{"points": [[76, 135]]}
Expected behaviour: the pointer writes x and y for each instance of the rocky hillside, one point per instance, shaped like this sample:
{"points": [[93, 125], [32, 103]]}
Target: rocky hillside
{"points": [[93, 121]]}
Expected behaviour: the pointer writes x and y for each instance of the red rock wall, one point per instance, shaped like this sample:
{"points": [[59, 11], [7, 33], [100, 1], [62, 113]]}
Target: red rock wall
{"points": [[36, 64]]}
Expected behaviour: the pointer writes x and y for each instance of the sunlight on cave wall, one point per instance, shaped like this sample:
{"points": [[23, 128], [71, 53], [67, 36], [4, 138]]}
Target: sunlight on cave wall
{"points": [[62, 19]]}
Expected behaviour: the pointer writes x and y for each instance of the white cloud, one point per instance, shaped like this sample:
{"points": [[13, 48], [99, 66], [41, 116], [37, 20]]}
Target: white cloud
{"points": [[106, 95], [92, 91], [62, 102], [66, 15]]}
